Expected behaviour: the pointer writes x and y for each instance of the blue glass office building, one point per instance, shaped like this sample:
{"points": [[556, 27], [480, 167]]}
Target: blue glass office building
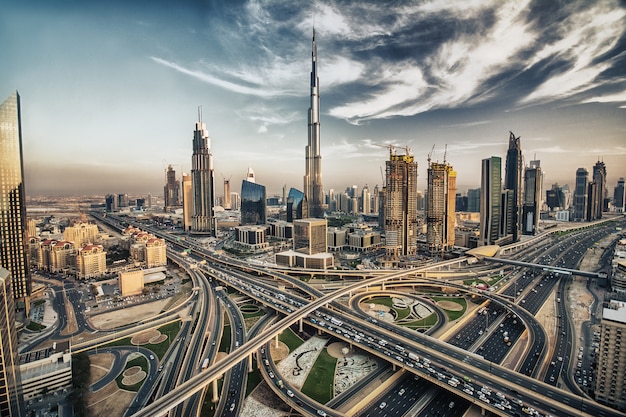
{"points": [[253, 203], [296, 205]]}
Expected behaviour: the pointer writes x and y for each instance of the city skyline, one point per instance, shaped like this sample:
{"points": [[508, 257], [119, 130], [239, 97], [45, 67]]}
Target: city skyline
{"points": [[109, 90]]}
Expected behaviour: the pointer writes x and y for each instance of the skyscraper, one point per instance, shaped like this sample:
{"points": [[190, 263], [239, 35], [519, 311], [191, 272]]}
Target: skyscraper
{"points": [[513, 181], [490, 200], [202, 181], [10, 401], [555, 198], [366, 200], [171, 190], [253, 203], [440, 217], [187, 202], [296, 205], [400, 205], [226, 202], [580, 195], [473, 200], [532, 198], [13, 225], [610, 386], [599, 177], [618, 196], [313, 188]]}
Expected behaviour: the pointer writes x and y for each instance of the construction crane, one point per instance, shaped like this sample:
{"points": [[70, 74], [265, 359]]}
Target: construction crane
{"points": [[430, 154], [392, 148]]}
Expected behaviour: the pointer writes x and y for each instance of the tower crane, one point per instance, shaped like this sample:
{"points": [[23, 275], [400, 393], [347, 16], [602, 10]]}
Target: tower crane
{"points": [[430, 154], [391, 147]]}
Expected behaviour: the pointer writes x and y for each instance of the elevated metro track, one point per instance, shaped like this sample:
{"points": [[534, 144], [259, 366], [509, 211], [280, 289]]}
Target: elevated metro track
{"points": [[551, 268]]}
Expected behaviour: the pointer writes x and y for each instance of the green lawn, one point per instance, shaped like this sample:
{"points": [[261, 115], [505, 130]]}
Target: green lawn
{"points": [[291, 339], [139, 361], [171, 330], [319, 383], [35, 327], [225, 342], [254, 378], [401, 313], [453, 315], [426, 322]]}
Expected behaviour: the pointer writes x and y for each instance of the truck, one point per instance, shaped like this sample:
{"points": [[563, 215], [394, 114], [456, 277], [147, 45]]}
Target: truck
{"points": [[413, 356], [205, 363]]}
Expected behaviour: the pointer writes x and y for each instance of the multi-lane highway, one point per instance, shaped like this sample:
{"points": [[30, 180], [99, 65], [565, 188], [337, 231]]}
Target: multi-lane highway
{"points": [[512, 386]]}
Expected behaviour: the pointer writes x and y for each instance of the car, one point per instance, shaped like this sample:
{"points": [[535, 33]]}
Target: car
{"points": [[321, 413], [160, 368], [232, 407], [151, 357], [401, 392], [382, 405]]}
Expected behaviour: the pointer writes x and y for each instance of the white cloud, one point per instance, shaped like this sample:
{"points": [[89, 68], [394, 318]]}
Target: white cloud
{"points": [[458, 67], [399, 86], [227, 85], [609, 98], [585, 37]]}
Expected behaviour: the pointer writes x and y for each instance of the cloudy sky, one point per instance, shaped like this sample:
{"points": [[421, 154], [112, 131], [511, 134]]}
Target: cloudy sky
{"points": [[110, 89]]}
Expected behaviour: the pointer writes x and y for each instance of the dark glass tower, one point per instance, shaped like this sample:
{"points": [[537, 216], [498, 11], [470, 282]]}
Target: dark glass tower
{"points": [[580, 195], [313, 188], [599, 177], [490, 200], [171, 191], [532, 199], [297, 207], [513, 181], [618, 196], [202, 181], [13, 227], [253, 203]]}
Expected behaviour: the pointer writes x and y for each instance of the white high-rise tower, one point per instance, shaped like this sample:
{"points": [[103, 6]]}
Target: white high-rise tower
{"points": [[313, 189]]}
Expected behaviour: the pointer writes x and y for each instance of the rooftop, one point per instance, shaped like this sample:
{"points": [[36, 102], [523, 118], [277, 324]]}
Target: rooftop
{"points": [[615, 311]]}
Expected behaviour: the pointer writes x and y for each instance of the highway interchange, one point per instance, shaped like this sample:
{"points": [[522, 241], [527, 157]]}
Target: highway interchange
{"points": [[477, 347]]}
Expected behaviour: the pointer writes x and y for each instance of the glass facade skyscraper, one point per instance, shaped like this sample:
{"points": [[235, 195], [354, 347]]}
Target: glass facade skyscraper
{"points": [[297, 207], [13, 254], [513, 181], [580, 195], [491, 200], [253, 203], [10, 402]]}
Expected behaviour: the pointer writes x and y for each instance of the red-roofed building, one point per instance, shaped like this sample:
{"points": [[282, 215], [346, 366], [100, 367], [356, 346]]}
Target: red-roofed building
{"points": [[90, 261]]}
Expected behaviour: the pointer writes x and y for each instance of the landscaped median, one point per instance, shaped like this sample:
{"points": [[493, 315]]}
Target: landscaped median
{"points": [[134, 373]]}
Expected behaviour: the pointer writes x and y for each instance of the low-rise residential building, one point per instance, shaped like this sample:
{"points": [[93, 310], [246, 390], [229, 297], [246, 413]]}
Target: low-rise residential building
{"points": [[90, 262]]}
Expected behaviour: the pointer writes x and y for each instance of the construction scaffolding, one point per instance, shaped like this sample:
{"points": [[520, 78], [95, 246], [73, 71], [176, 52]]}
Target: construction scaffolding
{"points": [[440, 209]]}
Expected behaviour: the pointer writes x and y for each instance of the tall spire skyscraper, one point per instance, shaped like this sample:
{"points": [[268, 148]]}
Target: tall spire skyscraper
{"points": [[202, 181], [313, 189]]}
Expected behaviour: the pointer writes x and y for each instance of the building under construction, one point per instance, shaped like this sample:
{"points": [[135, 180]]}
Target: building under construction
{"points": [[400, 209], [440, 209]]}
